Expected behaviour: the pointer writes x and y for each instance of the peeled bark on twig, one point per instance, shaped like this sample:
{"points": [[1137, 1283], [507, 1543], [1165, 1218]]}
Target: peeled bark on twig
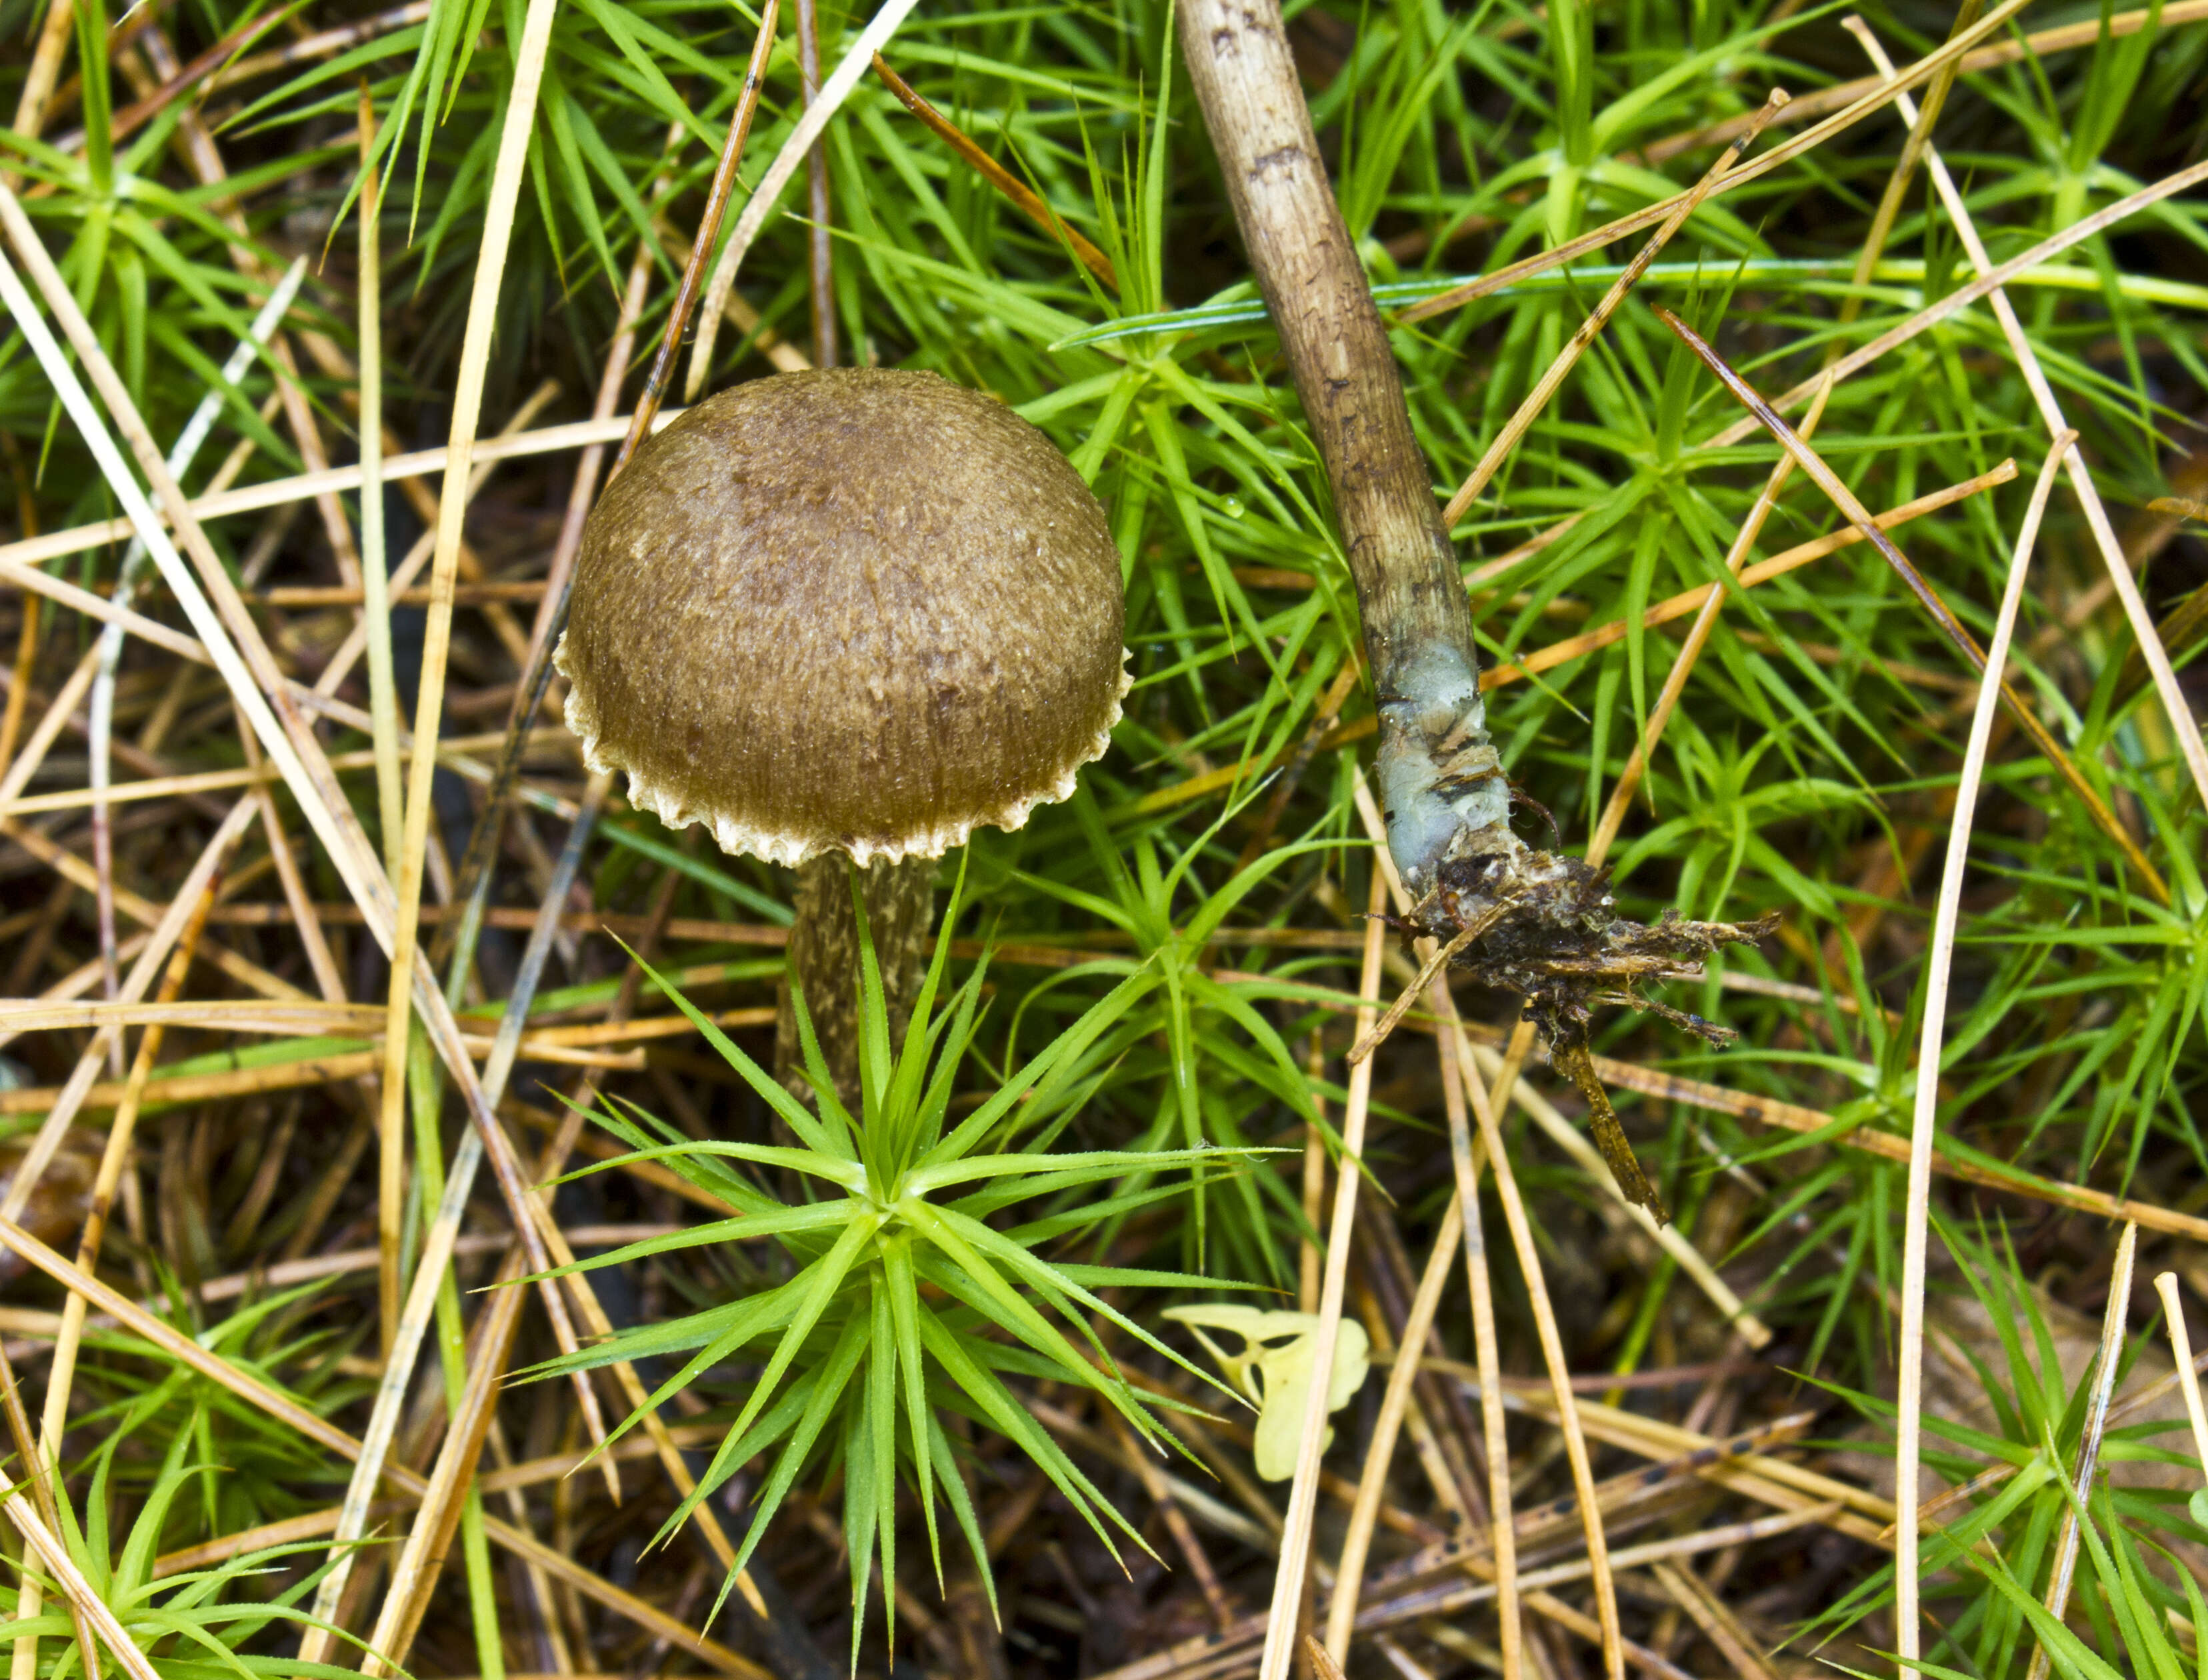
{"points": [[1439, 777], [1542, 926]]}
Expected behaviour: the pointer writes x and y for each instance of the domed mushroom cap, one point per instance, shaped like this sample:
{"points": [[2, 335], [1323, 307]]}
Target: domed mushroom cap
{"points": [[856, 608]]}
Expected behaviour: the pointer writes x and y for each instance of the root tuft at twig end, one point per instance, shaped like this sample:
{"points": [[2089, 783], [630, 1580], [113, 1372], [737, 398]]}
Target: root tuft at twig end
{"points": [[1548, 929]]}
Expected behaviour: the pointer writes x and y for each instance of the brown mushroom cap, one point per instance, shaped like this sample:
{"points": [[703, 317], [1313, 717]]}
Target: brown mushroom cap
{"points": [[853, 609]]}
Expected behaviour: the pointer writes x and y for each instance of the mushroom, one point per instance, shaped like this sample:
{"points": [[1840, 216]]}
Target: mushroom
{"points": [[845, 618]]}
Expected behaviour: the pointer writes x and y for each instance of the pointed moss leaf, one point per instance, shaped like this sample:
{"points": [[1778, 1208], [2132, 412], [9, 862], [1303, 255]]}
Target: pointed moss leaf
{"points": [[736, 1450], [1065, 1169], [863, 1482], [995, 1294], [701, 1172], [1135, 1277], [845, 1174], [754, 1318], [820, 1280], [879, 1435], [874, 1067], [1005, 1414], [1040, 1273], [963, 1241], [931, 984], [834, 1373], [905, 1309], [821, 1216], [769, 1090], [962, 1509], [720, 1331], [1076, 1037], [1212, 913], [643, 1131], [1050, 1184], [835, 1121], [1085, 1217]]}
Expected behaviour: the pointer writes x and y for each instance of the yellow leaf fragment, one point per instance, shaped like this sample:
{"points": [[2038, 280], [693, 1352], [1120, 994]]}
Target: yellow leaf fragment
{"points": [[1276, 1369]]}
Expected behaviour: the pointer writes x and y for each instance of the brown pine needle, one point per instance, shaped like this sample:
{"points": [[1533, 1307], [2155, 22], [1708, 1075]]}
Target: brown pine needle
{"points": [[1323, 1667], [169, 927], [2105, 1362], [2181, 1344], [1349, 1569], [114, 1160], [1409, 995], [820, 236], [1290, 1577], [250, 669], [1718, 1624], [1606, 1628], [1937, 609], [1933, 1513], [2177, 710], [1567, 358], [177, 1346], [87, 1607], [536, 677], [1573, 249], [1795, 1117], [37, 1470], [701, 250], [810, 126], [2063, 38], [278, 492], [1574, 647], [1569, 1058], [1025, 197]]}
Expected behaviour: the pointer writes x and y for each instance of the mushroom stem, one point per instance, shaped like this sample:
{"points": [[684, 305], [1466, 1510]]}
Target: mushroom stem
{"points": [[1439, 776], [824, 961]]}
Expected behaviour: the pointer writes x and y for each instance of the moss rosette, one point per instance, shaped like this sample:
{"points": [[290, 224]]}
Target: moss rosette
{"points": [[855, 609]]}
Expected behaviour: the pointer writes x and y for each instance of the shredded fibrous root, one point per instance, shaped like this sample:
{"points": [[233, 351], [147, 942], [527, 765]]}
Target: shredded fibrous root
{"points": [[1547, 928]]}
